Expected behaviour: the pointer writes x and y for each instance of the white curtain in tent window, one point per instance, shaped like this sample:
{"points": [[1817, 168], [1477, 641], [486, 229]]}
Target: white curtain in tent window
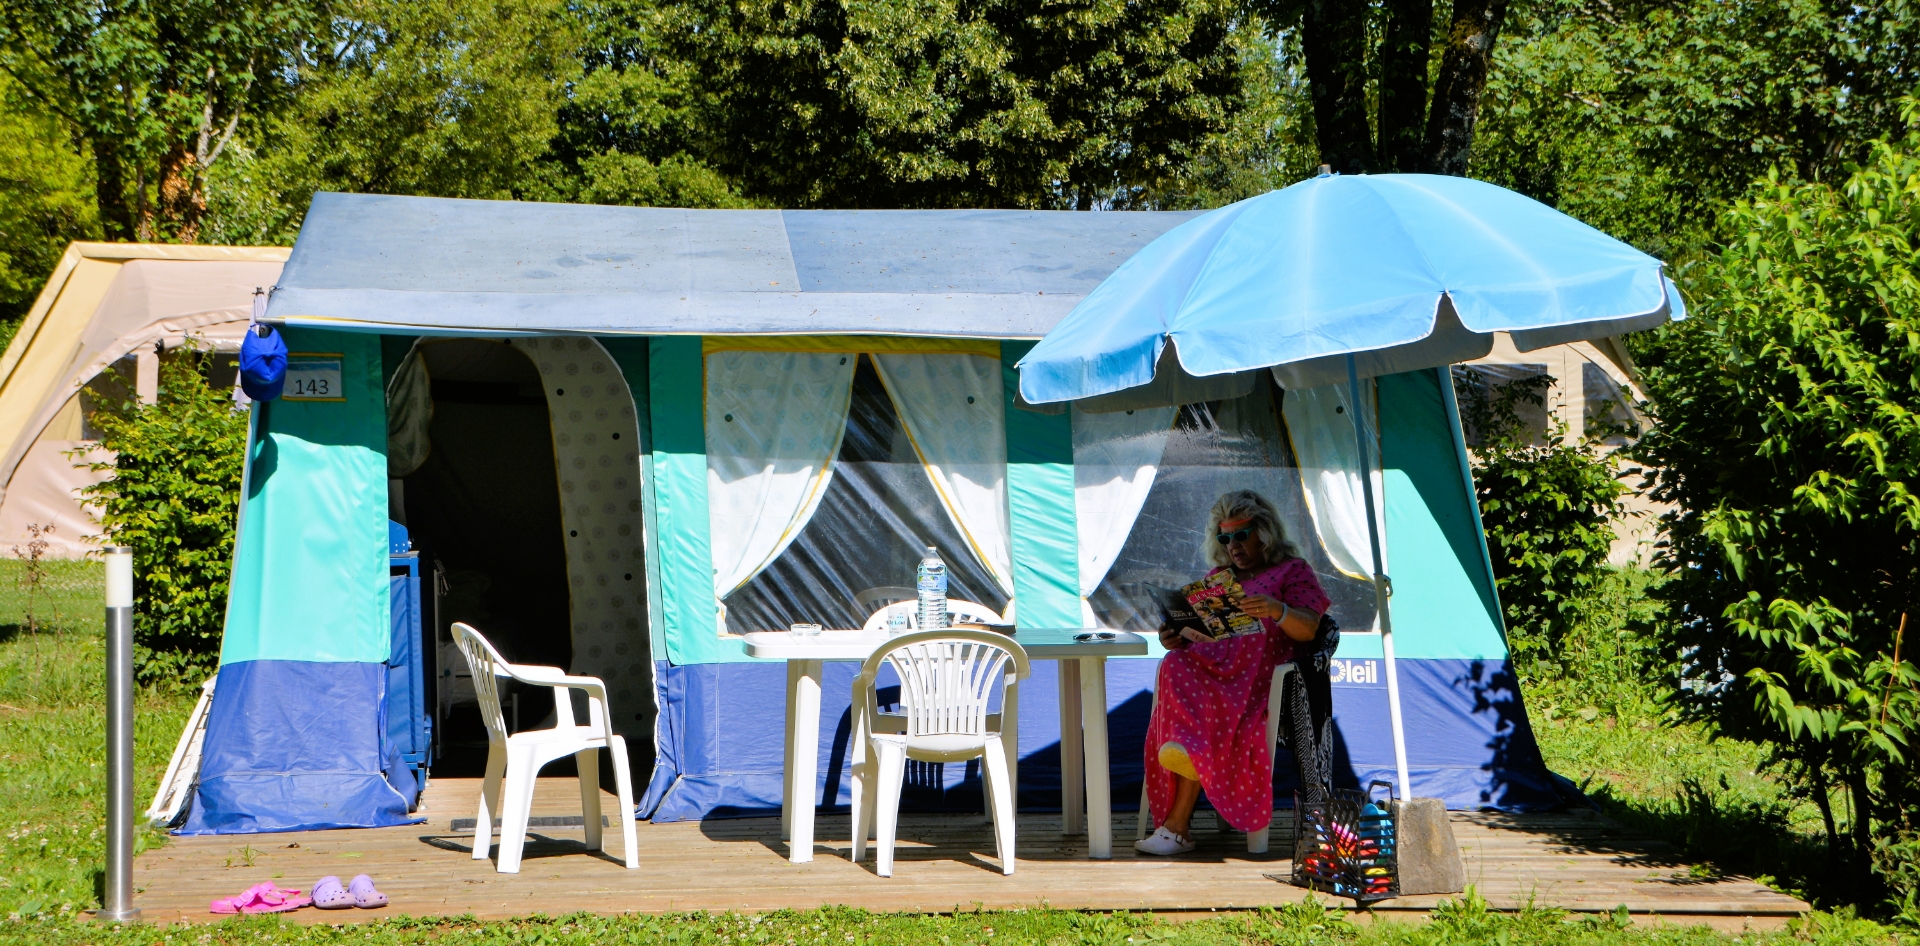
{"points": [[950, 404], [1115, 458], [774, 423], [1320, 425]]}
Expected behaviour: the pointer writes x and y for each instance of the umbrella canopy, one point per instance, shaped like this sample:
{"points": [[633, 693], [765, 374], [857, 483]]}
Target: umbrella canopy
{"points": [[1413, 270]]}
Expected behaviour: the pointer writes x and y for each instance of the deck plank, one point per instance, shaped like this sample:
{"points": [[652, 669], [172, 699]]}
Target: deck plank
{"points": [[944, 862]]}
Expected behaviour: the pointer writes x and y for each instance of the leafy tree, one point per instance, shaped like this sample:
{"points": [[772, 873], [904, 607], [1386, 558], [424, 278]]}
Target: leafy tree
{"points": [[922, 103], [174, 497], [1548, 508], [155, 88], [1647, 118], [451, 99], [45, 200], [1392, 90], [1788, 437]]}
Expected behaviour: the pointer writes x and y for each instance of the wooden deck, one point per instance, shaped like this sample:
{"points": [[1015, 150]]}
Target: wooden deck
{"points": [[1569, 861]]}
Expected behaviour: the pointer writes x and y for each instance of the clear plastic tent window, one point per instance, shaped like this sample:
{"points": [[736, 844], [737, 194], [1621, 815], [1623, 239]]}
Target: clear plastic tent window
{"points": [[859, 549], [1211, 448]]}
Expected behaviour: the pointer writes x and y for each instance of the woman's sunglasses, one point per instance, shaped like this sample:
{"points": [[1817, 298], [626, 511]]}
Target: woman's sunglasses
{"points": [[1240, 534]]}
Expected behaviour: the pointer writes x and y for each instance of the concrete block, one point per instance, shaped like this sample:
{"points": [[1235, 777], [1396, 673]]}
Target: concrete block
{"points": [[1429, 858]]}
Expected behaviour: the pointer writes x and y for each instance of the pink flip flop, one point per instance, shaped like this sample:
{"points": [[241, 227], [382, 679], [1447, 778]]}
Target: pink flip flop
{"points": [[260, 898], [364, 894], [329, 895]]}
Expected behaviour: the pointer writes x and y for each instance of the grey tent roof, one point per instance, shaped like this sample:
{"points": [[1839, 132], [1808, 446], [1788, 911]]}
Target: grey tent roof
{"points": [[437, 265]]}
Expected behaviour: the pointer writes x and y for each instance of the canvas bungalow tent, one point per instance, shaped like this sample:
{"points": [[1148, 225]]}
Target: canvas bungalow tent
{"points": [[623, 436], [105, 302]]}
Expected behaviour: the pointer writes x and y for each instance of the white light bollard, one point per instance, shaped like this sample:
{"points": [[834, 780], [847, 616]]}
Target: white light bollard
{"points": [[117, 905]]}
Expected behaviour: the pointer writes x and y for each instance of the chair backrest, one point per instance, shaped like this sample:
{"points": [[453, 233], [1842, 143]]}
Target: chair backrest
{"points": [[947, 677], [957, 610], [882, 596], [488, 667]]}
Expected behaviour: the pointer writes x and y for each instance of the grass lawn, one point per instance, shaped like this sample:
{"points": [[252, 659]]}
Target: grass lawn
{"points": [[51, 790], [53, 737]]}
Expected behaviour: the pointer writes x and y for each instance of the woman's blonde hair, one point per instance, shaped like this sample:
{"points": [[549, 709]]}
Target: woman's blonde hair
{"points": [[1265, 523]]}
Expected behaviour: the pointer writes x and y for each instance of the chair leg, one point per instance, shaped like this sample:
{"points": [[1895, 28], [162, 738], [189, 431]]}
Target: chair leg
{"points": [[988, 790], [995, 760], [489, 802], [860, 791], [587, 763], [517, 807], [1276, 703], [892, 770], [862, 810], [623, 785]]}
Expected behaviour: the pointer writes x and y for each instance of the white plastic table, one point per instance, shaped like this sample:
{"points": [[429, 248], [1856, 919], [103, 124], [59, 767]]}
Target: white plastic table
{"points": [[1086, 797]]}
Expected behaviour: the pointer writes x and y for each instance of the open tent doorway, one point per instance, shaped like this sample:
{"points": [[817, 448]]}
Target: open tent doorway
{"points": [[484, 510], [526, 500]]}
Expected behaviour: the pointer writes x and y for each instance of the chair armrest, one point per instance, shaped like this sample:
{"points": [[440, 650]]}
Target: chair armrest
{"points": [[554, 677], [561, 681]]}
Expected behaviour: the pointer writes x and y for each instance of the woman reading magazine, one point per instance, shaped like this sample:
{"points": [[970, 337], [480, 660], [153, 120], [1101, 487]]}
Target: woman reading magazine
{"points": [[1209, 719]]}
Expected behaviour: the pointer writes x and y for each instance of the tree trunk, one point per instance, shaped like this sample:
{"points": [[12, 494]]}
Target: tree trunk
{"points": [[1403, 83], [1334, 37], [182, 201], [1856, 779], [110, 190], [1822, 798], [1463, 76]]}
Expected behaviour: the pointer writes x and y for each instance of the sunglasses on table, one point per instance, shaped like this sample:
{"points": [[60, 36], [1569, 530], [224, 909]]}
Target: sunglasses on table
{"points": [[1238, 534]]}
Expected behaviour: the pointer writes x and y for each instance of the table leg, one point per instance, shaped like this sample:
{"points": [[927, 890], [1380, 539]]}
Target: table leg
{"points": [[1093, 715], [806, 759], [786, 761], [1073, 800]]}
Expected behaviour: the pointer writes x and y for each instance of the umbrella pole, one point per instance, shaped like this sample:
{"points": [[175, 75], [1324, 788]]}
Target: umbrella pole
{"points": [[1382, 585]]}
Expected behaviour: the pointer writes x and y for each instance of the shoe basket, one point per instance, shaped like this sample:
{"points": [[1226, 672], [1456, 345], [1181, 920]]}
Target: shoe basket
{"points": [[1346, 845]]}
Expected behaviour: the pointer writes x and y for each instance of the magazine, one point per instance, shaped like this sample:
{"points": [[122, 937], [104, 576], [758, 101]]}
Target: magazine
{"points": [[1211, 607]]}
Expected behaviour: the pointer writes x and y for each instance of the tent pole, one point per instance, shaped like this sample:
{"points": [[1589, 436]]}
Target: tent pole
{"points": [[1382, 585]]}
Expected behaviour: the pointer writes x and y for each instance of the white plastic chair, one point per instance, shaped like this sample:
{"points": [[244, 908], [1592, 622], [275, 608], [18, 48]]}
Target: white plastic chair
{"points": [[946, 680], [957, 611], [515, 759], [882, 596], [1256, 840]]}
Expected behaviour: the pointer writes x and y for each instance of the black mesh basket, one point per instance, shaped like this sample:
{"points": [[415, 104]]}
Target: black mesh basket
{"points": [[1347, 845]]}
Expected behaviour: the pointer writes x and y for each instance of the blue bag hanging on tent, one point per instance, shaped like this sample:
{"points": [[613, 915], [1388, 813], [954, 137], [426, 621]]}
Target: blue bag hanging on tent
{"points": [[263, 362]]}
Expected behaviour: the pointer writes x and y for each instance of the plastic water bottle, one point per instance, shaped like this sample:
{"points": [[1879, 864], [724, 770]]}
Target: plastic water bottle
{"points": [[933, 591]]}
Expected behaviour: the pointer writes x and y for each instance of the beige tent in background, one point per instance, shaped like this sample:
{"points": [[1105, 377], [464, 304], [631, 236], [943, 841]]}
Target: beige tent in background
{"points": [[103, 303], [1593, 383]]}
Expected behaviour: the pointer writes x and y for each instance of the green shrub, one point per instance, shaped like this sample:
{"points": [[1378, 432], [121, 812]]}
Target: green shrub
{"points": [[174, 497], [1787, 435], [1548, 509]]}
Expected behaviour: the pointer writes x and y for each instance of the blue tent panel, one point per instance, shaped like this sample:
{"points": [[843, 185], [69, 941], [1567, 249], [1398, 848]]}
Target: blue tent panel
{"points": [[1468, 739], [291, 747]]}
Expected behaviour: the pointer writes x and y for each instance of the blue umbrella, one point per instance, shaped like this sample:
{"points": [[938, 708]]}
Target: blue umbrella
{"points": [[1408, 270], [1339, 278]]}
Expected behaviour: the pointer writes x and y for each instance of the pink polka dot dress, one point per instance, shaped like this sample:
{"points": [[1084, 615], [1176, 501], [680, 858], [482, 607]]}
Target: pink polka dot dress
{"points": [[1211, 698]]}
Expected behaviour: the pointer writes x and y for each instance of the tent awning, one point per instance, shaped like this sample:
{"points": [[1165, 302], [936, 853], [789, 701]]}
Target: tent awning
{"points": [[445, 266]]}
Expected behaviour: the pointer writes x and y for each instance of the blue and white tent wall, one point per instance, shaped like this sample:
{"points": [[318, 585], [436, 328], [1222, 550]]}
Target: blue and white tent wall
{"points": [[721, 731], [296, 736]]}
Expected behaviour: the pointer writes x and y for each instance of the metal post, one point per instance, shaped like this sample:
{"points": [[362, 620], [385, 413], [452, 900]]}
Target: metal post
{"points": [[118, 906], [1382, 585]]}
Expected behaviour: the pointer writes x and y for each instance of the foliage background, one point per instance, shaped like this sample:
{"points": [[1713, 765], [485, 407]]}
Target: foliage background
{"points": [[1787, 437], [174, 496]]}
